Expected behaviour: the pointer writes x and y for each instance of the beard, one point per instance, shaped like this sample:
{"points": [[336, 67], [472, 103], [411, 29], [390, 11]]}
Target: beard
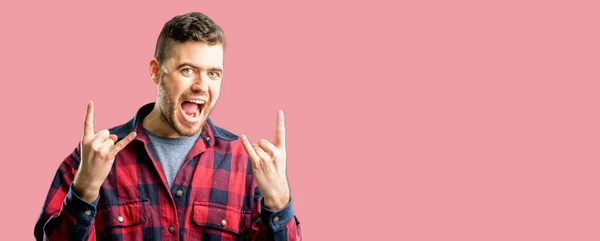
{"points": [[168, 111]]}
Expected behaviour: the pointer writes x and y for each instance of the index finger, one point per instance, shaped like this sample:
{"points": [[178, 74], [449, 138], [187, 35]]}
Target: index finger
{"points": [[280, 133], [88, 124]]}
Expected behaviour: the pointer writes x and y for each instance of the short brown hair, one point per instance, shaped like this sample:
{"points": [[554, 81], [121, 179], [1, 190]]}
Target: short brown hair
{"points": [[194, 26]]}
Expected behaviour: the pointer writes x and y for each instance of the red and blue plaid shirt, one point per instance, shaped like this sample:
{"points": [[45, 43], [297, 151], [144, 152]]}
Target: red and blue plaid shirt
{"points": [[214, 196]]}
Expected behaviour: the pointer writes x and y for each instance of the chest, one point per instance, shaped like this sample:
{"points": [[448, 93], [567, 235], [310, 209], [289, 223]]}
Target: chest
{"points": [[212, 192]]}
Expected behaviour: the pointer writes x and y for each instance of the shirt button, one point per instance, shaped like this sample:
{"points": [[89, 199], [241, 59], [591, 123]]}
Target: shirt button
{"points": [[276, 219], [88, 212], [120, 219], [179, 193], [171, 229], [223, 222]]}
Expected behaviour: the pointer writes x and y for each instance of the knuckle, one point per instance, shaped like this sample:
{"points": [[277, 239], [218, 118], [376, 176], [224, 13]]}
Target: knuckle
{"points": [[99, 146], [104, 132], [107, 153], [95, 148]]}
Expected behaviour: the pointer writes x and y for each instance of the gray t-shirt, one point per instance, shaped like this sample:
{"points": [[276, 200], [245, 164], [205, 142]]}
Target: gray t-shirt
{"points": [[171, 152]]}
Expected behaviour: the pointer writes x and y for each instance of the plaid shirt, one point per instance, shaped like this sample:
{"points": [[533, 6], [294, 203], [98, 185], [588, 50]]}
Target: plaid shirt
{"points": [[214, 196]]}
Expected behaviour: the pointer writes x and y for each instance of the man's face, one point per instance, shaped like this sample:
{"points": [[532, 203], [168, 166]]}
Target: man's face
{"points": [[189, 89]]}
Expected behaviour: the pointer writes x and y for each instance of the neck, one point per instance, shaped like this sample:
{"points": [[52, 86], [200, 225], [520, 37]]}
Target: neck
{"points": [[155, 123]]}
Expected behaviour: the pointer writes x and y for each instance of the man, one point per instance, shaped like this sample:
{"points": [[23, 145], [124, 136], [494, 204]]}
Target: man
{"points": [[170, 173]]}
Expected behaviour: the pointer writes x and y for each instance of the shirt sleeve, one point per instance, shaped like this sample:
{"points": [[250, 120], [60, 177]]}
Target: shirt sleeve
{"points": [[65, 216], [282, 225]]}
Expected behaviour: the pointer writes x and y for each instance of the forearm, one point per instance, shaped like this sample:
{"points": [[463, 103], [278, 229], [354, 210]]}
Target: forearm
{"points": [[74, 221], [65, 216]]}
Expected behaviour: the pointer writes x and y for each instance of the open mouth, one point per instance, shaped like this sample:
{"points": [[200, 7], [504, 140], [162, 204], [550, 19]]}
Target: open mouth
{"points": [[191, 110]]}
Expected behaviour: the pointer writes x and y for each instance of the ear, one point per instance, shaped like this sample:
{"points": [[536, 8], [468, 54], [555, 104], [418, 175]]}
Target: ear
{"points": [[153, 68]]}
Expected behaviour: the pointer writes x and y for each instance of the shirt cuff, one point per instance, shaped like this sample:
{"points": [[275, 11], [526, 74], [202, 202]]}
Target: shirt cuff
{"points": [[84, 212], [276, 220]]}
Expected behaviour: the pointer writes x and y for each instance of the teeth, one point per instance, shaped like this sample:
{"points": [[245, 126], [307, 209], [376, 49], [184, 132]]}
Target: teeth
{"points": [[197, 101]]}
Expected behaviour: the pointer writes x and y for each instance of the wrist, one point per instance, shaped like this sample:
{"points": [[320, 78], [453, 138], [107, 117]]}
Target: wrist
{"points": [[276, 204], [86, 192]]}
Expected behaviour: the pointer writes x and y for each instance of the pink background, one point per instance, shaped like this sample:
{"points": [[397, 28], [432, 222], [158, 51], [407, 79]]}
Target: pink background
{"points": [[436, 120]]}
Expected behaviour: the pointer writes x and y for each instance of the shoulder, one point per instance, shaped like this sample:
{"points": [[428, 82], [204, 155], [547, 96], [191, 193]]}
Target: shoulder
{"points": [[221, 133], [123, 130], [228, 142]]}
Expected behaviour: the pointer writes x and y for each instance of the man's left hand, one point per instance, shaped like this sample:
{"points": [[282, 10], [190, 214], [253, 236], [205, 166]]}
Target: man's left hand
{"points": [[269, 167]]}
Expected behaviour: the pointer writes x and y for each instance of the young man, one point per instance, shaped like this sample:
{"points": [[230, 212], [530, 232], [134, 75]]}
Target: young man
{"points": [[170, 173]]}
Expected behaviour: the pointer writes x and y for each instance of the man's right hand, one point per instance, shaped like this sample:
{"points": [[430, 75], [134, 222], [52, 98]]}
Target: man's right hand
{"points": [[98, 151]]}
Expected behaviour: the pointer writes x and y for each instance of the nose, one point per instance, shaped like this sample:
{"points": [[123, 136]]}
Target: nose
{"points": [[200, 83]]}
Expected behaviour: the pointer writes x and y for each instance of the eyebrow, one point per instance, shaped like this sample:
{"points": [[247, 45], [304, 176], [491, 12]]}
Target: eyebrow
{"points": [[187, 64], [196, 67], [216, 69]]}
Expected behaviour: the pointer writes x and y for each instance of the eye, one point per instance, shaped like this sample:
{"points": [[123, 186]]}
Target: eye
{"points": [[187, 72], [214, 74]]}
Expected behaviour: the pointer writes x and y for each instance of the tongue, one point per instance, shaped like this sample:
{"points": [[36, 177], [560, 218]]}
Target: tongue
{"points": [[189, 107]]}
